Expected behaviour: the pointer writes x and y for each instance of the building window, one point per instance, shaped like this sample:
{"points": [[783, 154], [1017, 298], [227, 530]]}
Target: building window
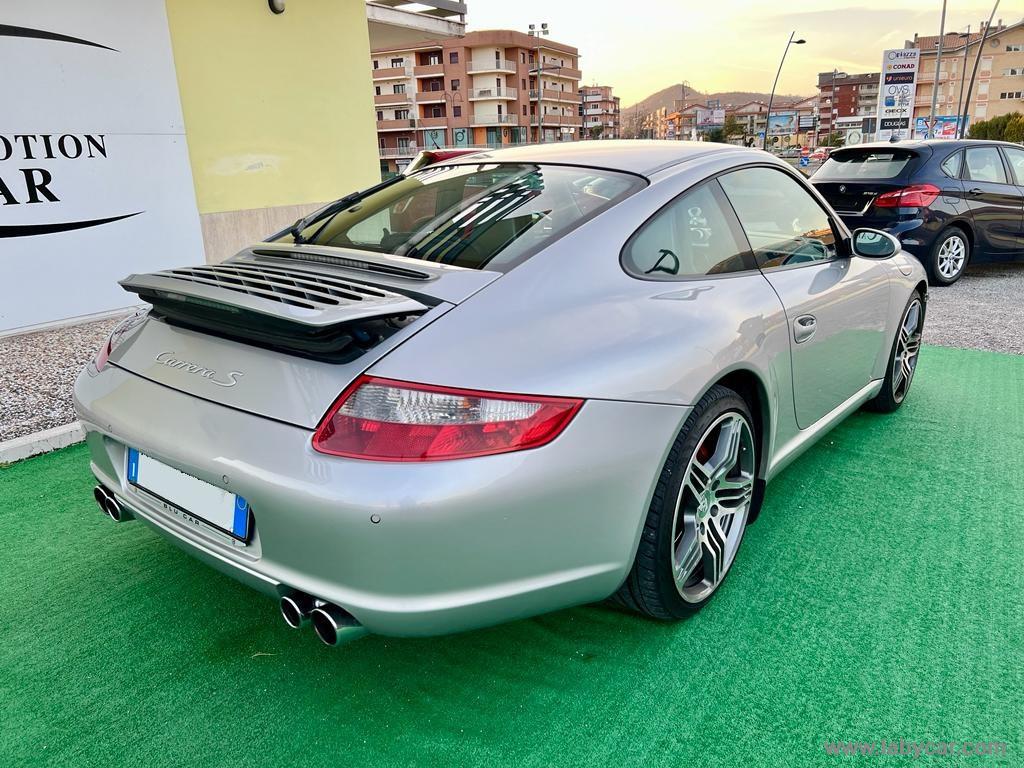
{"points": [[1013, 71], [1015, 47], [1010, 94], [453, 57], [403, 143], [397, 62], [376, 64], [380, 114], [523, 83], [398, 88], [456, 111], [401, 114], [522, 56], [524, 110], [435, 112], [456, 84], [434, 58], [376, 89]]}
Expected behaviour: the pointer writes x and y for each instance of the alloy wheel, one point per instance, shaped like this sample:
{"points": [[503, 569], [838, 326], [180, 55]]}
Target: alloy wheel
{"points": [[951, 257], [908, 348], [712, 508]]}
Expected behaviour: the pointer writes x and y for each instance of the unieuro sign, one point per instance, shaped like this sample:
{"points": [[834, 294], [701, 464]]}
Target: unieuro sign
{"points": [[897, 90]]}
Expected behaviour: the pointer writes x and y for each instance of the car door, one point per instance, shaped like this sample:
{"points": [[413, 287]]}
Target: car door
{"points": [[836, 306], [995, 203], [1015, 160]]}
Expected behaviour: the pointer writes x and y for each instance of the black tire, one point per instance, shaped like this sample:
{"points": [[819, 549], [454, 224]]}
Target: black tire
{"points": [[650, 588], [937, 266], [892, 396]]}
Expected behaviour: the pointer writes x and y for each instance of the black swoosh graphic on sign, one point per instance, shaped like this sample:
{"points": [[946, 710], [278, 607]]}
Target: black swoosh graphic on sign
{"points": [[31, 230], [6, 30]]}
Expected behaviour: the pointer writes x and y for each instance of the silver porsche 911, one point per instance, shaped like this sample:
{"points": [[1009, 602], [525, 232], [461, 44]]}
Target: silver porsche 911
{"points": [[507, 383]]}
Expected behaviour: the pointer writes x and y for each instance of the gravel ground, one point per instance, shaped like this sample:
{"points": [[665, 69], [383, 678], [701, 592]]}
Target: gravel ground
{"points": [[37, 374], [985, 310]]}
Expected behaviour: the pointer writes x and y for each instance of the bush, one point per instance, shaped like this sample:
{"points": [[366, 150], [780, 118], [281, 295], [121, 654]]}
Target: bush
{"points": [[1003, 128]]}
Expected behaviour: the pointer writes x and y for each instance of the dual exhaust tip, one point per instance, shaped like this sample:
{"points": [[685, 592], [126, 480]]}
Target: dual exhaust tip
{"points": [[106, 501], [332, 624]]}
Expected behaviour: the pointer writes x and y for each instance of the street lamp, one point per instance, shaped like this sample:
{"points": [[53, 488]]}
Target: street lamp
{"points": [[778, 72], [966, 37], [537, 31], [833, 110], [930, 133], [977, 60]]}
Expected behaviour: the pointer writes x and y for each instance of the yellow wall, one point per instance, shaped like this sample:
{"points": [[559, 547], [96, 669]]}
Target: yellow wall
{"points": [[278, 108]]}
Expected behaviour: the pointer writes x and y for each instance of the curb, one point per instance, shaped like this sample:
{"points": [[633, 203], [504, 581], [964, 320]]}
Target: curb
{"points": [[41, 442]]}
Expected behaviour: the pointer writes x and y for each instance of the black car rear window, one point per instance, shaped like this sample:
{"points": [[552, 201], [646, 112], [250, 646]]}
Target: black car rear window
{"points": [[866, 164], [490, 215]]}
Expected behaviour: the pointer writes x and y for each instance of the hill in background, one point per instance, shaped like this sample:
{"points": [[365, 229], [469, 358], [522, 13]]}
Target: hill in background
{"points": [[670, 97]]}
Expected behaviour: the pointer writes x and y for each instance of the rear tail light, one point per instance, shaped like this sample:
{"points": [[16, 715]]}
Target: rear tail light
{"points": [[914, 196], [385, 420]]}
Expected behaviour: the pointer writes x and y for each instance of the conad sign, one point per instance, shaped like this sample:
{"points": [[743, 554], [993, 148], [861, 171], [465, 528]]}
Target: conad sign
{"points": [[95, 180]]}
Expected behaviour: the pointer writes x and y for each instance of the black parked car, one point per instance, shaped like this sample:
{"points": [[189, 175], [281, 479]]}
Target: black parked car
{"points": [[948, 202]]}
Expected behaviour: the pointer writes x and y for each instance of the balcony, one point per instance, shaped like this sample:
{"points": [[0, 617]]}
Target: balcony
{"points": [[554, 70], [385, 99], [409, 150], [432, 122], [392, 73], [564, 120], [405, 124], [493, 65], [494, 120], [552, 95], [479, 94], [428, 70], [429, 97]]}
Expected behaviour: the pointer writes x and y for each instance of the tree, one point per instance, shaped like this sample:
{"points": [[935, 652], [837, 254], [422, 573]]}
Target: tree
{"points": [[715, 134], [732, 127], [999, 128], [595, 131]]}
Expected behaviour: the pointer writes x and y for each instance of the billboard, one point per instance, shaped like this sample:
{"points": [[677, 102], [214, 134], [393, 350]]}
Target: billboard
{"points": [[710, 118], [945, 127], [783, 124], [95, 180], [897, 89]]}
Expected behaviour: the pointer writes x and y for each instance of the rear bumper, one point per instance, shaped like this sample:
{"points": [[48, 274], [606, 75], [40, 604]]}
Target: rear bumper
{"points": [[458, 544]]}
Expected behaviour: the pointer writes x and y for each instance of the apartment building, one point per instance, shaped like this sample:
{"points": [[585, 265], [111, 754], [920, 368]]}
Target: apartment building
{"points": [[488, 88], [847, 103], [999, 83], [600, 111]]}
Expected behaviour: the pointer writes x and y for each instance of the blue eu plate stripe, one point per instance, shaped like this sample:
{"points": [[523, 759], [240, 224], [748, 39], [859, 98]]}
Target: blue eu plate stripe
{"points": [[133, 465], [241, 524]]}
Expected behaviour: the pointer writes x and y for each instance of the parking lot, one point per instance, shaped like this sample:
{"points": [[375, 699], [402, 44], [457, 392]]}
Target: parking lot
{"points": [[879, 596]]}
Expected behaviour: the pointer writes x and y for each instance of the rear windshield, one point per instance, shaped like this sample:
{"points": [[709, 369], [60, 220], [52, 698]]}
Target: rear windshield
{"points": [[488, 215], [865, 164]]}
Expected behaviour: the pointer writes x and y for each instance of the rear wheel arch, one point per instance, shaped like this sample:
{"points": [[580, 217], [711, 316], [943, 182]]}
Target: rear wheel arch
{"points": [[748, 385], [968, 230]]}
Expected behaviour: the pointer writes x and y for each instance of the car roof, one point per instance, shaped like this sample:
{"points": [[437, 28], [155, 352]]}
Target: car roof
{"points": [[639, 156], [920, 144]]}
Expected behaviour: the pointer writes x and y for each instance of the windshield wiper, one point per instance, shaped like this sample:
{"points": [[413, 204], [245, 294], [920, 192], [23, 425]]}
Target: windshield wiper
{"points": [[332, 209]]}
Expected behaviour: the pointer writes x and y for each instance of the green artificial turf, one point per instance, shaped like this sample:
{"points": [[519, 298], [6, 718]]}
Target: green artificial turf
{"points": [[880, 596]]}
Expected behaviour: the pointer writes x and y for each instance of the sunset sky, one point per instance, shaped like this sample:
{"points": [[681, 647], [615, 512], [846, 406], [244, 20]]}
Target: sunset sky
{"points": [[645, 45]]}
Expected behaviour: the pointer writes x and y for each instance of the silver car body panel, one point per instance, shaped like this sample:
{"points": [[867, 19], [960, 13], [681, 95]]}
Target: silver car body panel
{"points": [[470, 542]]}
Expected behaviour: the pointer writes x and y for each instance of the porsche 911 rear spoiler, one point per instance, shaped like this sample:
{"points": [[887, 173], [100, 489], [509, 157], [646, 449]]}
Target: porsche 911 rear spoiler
{"points": [[289, 308]]}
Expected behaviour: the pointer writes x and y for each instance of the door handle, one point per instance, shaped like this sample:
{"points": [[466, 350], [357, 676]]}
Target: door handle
{"points": [[975, 191], [804, 327]]}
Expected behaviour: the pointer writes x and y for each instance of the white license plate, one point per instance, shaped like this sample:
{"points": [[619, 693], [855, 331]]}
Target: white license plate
{"points": [[224, 510]]}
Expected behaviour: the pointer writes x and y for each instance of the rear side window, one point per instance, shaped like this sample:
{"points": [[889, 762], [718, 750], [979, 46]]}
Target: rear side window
{"points": [[783, 222], [866, 164], [478, 216], [952, 164], [984, 164], [1016, 158], [693, 235]]}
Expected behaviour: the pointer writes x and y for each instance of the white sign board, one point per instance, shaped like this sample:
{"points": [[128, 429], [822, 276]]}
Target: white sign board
{"points": [[95, 181], [897, 89]]}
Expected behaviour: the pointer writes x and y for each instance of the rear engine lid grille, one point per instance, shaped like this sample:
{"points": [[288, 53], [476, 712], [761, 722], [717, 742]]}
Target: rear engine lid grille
{"points": [[301, 296]]}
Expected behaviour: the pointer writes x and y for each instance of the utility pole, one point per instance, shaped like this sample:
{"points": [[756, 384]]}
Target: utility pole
{"points": [[977, 60], [963, 76], [537, 32], [938, 67], [768, 117]]}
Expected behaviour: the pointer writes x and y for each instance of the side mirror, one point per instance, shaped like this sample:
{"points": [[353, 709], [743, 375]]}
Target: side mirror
{"points": [[874, 244]]}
